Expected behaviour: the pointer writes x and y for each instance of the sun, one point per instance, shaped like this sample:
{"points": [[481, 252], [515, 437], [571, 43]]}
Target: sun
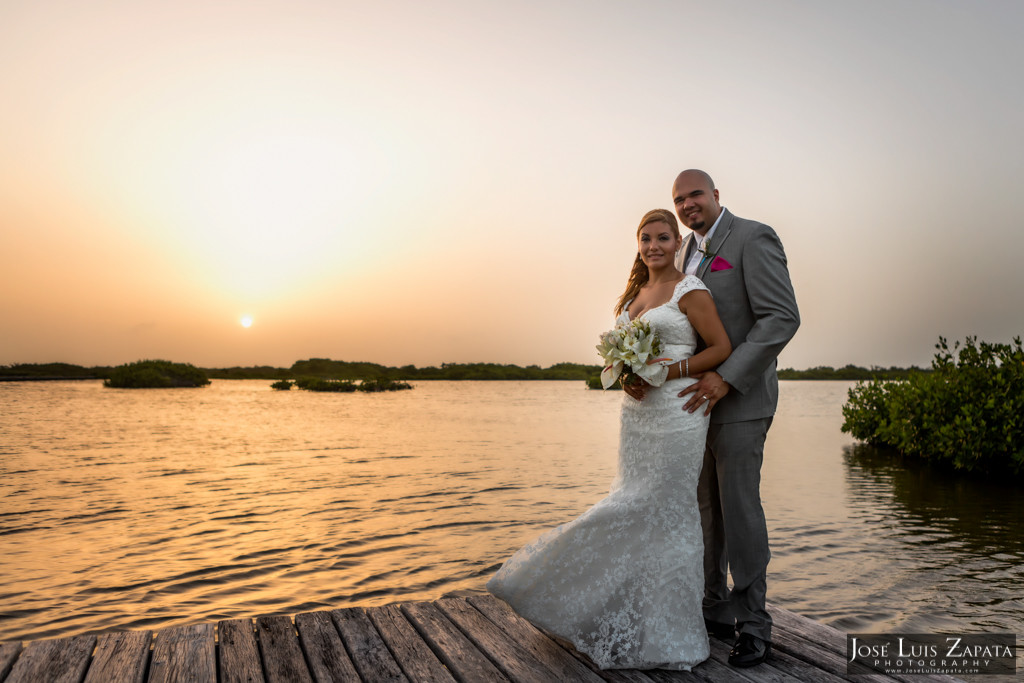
{"points": [[246, 321]]}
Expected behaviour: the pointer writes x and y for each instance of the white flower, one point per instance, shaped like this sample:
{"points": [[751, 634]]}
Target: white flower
{"points": [[630, 344]]}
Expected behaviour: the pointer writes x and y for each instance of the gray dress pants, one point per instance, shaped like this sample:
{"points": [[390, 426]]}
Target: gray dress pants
{"points": [[735, 533]]}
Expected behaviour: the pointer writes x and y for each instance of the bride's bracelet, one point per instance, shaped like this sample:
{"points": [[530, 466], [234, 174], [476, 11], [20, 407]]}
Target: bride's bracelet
{"points": [[680, 364]]}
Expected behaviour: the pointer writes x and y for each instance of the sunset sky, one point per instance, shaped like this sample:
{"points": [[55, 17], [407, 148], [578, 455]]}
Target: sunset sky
{"points": [[461, 181]]}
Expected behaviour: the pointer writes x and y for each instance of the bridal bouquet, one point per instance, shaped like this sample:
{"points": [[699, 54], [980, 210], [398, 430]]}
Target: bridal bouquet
{"points": [[631, 350]]}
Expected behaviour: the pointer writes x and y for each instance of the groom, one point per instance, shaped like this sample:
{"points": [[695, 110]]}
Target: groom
{"points": [[743, 264]]}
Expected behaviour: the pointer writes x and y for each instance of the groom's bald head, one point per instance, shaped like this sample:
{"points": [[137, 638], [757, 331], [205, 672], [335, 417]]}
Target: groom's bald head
{"points": [[696, 200], [699, 175]]}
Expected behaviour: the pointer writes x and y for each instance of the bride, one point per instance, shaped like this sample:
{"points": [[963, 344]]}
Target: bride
{"points": [[624, 581]]}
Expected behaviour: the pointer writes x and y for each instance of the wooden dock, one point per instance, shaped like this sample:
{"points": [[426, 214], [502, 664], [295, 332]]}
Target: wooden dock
{"points": [[453, 639]]}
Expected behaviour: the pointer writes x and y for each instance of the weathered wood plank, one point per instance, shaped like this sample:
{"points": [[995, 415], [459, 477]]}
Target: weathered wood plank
{"points": [[496, 610], [518, 663], [825, 648], [623, 675], [817, 644], [824, 636], [418, 662], [465, 639], [325, 653], [62, 660], [8, 654], [237, 652], [559, 653], [800, 669], [919, 678], [454, 649], [834, 640], [282, 657], [184, 654], [667, 676], [545, 650], [612, 675], [370, 655], [819, 656], [717, 667], [120, 658]]}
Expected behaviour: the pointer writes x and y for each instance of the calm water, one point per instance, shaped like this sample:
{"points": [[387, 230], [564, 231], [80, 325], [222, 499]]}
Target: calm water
{"points": [[124, 509]]}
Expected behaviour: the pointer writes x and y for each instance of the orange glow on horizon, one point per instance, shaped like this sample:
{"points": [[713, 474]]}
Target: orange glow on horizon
{"points": [[333, 169]]}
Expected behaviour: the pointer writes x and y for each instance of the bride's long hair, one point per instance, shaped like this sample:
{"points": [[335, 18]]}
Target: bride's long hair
{"points": [[639, 275]]}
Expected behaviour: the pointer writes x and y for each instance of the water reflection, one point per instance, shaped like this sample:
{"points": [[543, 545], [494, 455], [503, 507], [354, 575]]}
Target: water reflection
{"points": [[869, 543], [948, 543], [973, 512], [122, 509]]}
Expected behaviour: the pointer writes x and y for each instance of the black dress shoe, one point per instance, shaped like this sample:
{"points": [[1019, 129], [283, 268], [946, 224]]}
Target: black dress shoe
{"points": [[749, 650], [719, 629]]}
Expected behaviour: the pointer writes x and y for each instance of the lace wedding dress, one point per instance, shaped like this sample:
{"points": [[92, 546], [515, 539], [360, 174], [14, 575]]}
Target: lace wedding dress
{"points": [[624, 581]]}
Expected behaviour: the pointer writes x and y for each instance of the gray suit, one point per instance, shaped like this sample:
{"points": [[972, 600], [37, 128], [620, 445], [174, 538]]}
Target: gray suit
{"points": [[755, 301]]}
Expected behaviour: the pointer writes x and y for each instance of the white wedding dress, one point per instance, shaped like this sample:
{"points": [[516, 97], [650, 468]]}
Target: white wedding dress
{"points": [[624, 581]]}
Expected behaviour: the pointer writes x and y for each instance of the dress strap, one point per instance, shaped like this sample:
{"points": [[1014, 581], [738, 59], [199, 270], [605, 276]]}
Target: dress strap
{"points": [[687, 284]]}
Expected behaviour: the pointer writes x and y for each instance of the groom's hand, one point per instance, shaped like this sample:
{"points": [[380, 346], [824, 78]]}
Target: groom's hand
{"points": [[709, 388]]}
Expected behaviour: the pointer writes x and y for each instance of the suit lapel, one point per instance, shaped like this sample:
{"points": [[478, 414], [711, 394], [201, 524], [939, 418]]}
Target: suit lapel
{"points": [[687, 252], [721, 234]]}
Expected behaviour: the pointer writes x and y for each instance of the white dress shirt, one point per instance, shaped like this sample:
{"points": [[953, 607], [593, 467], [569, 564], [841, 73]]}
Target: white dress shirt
{"points": [[697, 255]]}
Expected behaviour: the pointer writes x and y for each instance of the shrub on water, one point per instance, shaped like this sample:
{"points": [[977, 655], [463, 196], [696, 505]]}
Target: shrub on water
{"points": [[156, 374], [866, 412], [374, 385], [281, 385], [347, 385], [594, 382], [969, 411], [320, 384]]}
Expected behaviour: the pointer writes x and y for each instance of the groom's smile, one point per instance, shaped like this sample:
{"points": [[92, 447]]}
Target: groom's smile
{"points": [[696, 201]]}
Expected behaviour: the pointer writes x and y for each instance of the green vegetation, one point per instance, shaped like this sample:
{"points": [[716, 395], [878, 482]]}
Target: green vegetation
{"points": [[823, 372], [149, 374], [281, 385], [320, 384], [348, 386], [967, 412], [376, 385], [331, 369], [850, 372], [336, 369], [594, 382], [40, 371]]}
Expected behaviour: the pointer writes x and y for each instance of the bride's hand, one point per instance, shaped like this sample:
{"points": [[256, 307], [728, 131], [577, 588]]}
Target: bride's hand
{"points": [[636, 390]]}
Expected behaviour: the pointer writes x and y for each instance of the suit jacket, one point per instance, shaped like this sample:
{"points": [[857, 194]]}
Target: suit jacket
{"points": [[757, 306]]}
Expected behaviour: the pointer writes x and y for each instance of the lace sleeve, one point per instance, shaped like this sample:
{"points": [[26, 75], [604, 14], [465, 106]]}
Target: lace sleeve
{"points": [[688, 284]]}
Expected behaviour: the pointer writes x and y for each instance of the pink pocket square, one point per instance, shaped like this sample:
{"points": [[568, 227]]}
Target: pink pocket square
{"points": [[720, 264]]}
